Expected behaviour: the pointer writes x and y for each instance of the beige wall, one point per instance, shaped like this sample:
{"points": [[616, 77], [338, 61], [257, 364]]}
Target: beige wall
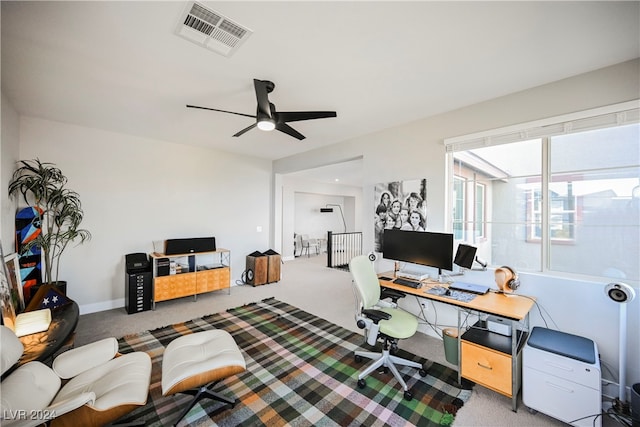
{"points": [[9, 154], [137, 190]]}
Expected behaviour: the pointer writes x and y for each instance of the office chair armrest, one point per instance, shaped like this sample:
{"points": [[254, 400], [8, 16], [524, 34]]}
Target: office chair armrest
{"points": [[376, 315], [391, 293]]}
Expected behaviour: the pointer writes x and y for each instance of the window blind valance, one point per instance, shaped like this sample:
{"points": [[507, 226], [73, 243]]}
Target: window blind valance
{"points": [[612, 115]]}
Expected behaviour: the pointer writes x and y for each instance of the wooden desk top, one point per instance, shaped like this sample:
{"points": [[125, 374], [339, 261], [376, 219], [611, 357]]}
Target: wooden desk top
{"points": [[512, 306]]}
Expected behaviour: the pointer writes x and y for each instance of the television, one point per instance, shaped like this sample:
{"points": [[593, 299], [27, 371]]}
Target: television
{"points": [[419, 247], [465, 255]]}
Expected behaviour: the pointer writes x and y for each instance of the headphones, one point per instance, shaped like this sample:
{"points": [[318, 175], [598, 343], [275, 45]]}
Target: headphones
{"points": [[507, 279]]}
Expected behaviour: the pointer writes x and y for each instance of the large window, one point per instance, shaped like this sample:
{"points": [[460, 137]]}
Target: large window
{"points": [[567, 200]]}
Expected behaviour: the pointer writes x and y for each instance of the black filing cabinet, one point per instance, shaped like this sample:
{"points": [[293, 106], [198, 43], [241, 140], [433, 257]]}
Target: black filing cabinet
{"points": [[137, 293]]}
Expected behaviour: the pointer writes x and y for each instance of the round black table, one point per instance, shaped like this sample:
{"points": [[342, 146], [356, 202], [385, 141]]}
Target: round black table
{"points": [[43, 345]]}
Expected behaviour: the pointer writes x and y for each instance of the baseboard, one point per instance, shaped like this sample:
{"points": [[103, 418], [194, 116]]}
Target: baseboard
{"points": [[101, 306], [108, 305]]}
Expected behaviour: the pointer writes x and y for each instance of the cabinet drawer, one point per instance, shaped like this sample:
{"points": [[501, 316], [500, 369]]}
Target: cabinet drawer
{"points": [[562, 367], [560, 398], [174, 286], [212, 280], [487, 367]]}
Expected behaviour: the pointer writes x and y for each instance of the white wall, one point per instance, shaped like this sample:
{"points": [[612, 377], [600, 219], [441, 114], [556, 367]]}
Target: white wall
{"points": [[577, 306], [137, 190], [9, 149], [308, 218], [349, 197]]}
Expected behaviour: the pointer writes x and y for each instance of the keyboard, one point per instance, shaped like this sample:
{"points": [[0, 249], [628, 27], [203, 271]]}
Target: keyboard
{"points": [[409, 283]]}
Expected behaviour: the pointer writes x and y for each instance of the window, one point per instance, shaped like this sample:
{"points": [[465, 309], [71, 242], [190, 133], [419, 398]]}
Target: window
{"points": [[560, 195], [458, 208], [562, 215], [479, 218]]}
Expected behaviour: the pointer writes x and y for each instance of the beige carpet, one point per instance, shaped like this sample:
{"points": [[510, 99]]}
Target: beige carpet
{"points": [[306, 283]]}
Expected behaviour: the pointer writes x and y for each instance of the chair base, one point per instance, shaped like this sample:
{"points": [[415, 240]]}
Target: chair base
{"points": [[205, 392], [386, 360]]}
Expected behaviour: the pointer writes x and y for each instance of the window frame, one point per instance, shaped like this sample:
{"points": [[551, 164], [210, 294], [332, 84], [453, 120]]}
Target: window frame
{"points": [[604, 117]]}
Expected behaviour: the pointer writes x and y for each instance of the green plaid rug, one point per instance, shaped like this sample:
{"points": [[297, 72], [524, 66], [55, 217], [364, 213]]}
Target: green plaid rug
{"points": [[301, 371]]}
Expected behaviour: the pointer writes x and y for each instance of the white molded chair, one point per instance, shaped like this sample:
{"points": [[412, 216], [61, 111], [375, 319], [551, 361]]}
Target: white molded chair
{"points": [[308, 244], [381, 320], [98, 385]]}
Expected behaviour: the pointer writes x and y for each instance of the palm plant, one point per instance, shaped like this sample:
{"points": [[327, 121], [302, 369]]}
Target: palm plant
{"points": [[42, 185]]}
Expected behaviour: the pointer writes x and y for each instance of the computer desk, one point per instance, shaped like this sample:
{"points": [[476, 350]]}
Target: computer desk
{"points": [[484, 357]]}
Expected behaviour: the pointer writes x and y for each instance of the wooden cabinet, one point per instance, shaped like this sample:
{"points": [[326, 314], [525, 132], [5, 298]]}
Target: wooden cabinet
{"points": [[488, 359], [181, 275]]}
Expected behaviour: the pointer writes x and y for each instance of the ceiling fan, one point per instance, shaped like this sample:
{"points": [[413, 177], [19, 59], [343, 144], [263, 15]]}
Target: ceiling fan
{"points": [[267, 118]]}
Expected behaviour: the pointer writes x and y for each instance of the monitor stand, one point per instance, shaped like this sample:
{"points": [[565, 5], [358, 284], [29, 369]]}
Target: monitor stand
{"points": [[412, 274]]}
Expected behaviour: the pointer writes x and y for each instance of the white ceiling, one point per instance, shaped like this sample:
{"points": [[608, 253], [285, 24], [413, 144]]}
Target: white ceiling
{"points": [[119, 66]]}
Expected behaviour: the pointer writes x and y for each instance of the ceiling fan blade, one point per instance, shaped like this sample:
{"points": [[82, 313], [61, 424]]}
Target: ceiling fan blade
{"points": [[295, 116], [283, 127], [262, 95], [221, 111], [247, 129]]}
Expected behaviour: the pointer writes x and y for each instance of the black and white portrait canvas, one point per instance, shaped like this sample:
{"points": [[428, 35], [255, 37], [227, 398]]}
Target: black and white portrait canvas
{"points": [[400, 205]]}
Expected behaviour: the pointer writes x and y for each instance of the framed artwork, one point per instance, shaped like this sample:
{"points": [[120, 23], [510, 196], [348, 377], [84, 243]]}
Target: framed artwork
{"points": [[6, 302], [15, 284], [400, 205]]}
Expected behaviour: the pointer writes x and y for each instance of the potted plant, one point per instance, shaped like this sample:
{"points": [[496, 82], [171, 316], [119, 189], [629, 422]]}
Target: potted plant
{"points": [[43, 186]]}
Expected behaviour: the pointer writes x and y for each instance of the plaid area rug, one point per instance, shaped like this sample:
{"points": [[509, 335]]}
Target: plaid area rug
{"points": [[301, 371]]}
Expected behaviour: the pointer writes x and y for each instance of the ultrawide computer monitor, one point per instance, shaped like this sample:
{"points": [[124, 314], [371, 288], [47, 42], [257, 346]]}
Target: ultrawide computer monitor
{"points": [[419, 247]]}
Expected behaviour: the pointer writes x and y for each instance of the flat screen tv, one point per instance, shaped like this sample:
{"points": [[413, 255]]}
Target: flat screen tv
{"points": [[419, 247]]}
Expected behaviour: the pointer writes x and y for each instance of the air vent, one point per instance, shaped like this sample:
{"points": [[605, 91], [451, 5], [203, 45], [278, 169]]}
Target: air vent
{"points": [[211, 29]]}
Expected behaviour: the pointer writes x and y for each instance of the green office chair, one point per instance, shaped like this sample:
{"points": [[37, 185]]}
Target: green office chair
{"points": [[381, 320]]}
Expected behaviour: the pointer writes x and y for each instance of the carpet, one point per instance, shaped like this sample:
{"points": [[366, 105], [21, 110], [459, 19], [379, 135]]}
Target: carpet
{"points": [[300, 372]]}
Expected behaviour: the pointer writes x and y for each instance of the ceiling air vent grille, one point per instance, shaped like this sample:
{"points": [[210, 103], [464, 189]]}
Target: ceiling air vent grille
{"points": [[211, 29]]}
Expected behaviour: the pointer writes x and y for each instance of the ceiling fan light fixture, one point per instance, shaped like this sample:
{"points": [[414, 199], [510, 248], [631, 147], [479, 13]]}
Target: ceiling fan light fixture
{"points": [[266, 124]]}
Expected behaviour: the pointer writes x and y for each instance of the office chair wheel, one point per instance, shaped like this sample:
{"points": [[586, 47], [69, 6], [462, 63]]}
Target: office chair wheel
{"points": [[422, 372], [362, 383], [408, 395], [358, 359]]}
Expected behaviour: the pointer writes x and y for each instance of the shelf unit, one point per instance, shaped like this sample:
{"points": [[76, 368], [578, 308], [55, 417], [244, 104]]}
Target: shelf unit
{"points": [[493, 360], [189, 274]]}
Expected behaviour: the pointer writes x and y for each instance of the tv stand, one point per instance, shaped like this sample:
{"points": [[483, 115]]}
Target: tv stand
{"points": [[199, 272]]}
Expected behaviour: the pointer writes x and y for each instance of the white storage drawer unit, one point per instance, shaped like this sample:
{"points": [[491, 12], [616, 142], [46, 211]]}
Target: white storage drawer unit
{"points": [[562, 378]]}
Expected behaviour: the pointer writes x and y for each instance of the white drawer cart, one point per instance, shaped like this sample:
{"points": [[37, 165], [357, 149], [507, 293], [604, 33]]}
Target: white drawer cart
{"points": [[562, 378]]}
